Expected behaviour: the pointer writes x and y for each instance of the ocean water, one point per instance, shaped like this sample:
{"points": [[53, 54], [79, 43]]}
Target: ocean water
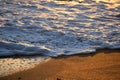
{"points": [[53, 28]]}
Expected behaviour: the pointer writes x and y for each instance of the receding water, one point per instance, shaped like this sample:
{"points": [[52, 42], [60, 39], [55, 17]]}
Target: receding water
{"points": [[55, 28]]}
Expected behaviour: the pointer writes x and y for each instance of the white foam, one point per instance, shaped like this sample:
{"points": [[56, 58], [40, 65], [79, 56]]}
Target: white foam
{"points": [[55, 28], [12, 65]]}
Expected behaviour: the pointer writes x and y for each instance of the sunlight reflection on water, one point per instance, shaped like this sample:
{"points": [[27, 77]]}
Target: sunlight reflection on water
{"points": [[58, 26], [53, 28]]}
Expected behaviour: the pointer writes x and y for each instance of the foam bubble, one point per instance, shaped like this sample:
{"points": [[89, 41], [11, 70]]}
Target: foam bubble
{"points": [[12, 65]]}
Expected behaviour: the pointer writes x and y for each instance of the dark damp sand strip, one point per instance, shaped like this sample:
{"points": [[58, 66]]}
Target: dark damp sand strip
{"points": [[102, 65], [59, 56]]}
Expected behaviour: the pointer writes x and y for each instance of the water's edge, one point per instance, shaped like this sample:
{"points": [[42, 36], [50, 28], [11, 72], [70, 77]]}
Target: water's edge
{"points": [[106, 50], [36, 60], [54, 28]]}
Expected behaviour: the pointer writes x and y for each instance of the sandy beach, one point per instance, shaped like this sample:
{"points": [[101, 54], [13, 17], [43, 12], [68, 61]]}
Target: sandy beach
{"points": [[101, 66], [35, 34]]}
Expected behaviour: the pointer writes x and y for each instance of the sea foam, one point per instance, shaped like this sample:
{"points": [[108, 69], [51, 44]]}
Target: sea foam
{"points": [[54, 28]]}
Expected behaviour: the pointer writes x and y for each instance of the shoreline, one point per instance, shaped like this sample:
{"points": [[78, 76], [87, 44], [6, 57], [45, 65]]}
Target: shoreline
{"points": [[59, 56], [101, 65]]}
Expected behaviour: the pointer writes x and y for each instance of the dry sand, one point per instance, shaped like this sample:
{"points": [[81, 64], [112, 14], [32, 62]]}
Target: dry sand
{"points": [[100, 66]]}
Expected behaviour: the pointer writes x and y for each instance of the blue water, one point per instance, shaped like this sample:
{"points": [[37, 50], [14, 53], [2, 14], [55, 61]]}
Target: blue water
{"points": [[52, 28]]}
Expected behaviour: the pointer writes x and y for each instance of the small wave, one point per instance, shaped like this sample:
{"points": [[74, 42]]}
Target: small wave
{"points": [[53, 29]]}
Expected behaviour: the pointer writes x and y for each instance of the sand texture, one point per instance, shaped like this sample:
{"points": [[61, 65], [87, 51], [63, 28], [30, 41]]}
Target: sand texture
{"points": [[101, 66]]}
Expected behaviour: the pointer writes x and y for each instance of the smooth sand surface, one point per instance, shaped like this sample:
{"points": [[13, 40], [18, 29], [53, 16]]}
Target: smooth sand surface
{"points": [[100, 66]]}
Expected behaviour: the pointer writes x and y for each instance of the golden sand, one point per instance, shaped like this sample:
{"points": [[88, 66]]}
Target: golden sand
{"points": [[100, 66]]}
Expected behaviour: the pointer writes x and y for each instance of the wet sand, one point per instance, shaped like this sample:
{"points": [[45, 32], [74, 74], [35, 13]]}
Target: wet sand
{"points": [[100, 66]]}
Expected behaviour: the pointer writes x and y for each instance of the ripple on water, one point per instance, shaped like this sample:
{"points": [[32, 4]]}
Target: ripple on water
{"points": [[53, 28]]}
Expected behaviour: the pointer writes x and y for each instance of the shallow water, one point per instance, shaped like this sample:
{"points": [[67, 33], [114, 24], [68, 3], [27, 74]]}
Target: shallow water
{"points": [[12, 65], [55, 28]]}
